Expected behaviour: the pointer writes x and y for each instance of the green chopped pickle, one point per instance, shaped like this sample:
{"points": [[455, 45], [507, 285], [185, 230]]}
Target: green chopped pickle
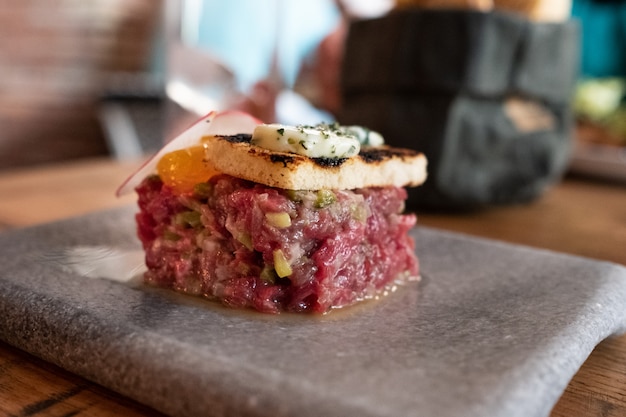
{"points": [[324, 198], [268, 274], [246, 240], [188, 218], [359, 212], [294, 195], [203, 189]]}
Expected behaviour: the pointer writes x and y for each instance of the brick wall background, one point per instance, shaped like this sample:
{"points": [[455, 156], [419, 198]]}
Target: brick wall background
{"points": [[56, 57]]}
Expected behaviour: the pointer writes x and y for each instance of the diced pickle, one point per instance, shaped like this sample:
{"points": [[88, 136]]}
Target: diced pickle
{"points": [[281, 265], [280, 220], [268, 274], [246, 240], [324, 198], [359, 212], [294, 195], [188, 218], [203, 189]]}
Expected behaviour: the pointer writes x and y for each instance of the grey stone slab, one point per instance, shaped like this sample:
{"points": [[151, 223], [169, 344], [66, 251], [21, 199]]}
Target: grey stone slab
{"points": [[491, 330]]}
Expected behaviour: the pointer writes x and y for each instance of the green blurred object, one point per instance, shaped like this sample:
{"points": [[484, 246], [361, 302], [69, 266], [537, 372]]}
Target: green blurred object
{"points": [[602, 101]]}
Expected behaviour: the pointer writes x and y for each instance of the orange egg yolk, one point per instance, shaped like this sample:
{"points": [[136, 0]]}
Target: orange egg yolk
{"points": [[184, 168]]}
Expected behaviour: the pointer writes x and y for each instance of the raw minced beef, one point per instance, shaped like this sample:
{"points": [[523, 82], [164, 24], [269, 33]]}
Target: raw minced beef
{"points": [[273, 250]]}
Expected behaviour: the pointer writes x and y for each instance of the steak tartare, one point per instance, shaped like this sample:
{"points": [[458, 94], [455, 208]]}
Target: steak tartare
{"points": [[249, 245]]}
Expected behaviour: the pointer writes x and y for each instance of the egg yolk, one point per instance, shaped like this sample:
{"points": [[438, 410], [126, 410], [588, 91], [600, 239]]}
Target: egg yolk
{"points": [[182, 169]]}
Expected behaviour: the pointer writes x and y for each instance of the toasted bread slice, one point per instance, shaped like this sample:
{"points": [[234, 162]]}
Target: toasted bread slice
{"points": [[373, 167]]}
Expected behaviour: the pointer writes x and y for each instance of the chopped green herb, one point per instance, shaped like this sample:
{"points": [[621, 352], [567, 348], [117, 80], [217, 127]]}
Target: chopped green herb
{"points": [[281, 131]]}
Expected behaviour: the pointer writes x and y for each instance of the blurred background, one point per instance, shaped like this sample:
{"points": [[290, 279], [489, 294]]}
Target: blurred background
{"points": [[58, 60], [119, 77]]}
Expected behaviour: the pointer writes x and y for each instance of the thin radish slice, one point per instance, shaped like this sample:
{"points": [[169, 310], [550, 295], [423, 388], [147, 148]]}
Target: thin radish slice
{"points": [[215, 123]]}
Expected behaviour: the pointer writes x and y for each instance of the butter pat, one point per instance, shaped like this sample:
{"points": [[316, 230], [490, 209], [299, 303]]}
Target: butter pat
{"points": [[320, 141]]}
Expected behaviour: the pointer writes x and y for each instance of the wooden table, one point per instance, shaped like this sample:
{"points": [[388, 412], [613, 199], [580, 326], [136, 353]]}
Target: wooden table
{"points": [[577, 216]]}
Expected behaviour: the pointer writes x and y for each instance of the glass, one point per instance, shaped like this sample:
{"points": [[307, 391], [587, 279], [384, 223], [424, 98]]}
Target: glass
{"points": [[242, 54]]}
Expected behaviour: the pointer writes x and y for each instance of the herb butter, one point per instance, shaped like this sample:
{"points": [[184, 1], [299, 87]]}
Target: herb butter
{"points": [[365, 136], [319, 141]]}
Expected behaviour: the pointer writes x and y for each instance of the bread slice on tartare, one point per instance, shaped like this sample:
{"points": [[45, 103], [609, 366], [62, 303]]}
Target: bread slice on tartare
{"points": [[371, 167]]}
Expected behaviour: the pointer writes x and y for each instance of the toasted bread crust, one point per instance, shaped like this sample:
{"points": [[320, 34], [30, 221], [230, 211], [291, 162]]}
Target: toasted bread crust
{"points": [[373, 167]]}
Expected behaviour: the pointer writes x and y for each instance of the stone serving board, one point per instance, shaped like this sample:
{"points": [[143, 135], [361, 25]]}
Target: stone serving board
{"points": [[492, 329]]}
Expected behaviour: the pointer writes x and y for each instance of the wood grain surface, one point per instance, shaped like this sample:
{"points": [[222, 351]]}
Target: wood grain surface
{"points": [[577, 216]]}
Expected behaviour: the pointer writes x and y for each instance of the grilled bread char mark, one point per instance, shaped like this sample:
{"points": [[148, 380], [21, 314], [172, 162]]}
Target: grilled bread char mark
{"points": [[372, 167]]}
